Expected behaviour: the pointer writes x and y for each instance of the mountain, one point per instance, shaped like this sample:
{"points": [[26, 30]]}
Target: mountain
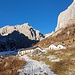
{"points": [[64, 36], [25, 29], [47, 35], [65, 30], [19, 36], [65, 16]]}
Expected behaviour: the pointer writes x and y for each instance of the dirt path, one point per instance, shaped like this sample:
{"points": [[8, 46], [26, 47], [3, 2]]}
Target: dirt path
{"points": [[34, 67]]}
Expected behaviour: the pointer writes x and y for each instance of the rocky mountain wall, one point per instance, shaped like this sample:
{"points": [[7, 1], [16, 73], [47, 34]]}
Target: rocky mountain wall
{"points": [[65, 16]]}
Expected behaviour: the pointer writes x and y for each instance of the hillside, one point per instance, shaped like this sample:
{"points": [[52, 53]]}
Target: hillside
{"points": [[63, 36], [65, 16], [18, 36], [61, 62]]}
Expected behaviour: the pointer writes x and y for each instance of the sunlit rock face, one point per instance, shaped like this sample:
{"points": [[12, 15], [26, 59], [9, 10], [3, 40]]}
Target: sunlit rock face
{"points": [[18, 36], [65, 16], [25, 29]]}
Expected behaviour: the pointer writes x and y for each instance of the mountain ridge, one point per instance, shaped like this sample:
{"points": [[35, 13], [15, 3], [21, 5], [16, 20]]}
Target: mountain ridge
{"points": [[19, 36], [25, 29]]}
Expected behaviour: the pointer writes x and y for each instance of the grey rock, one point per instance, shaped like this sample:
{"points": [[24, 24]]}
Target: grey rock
{"points": [[65, 16], [19, 36], [25, 29]]}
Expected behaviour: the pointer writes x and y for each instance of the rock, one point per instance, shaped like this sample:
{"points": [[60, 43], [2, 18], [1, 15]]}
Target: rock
{"points": [[19, 36], [65, 16], [49, 34], [25, 29]]}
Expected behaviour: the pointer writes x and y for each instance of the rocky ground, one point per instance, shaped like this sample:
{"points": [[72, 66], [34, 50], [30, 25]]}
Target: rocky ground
{"points": [[34, 67], [61, 62]]}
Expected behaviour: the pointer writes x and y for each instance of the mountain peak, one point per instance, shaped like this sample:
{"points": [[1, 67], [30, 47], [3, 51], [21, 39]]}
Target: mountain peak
{"points": [[65, 16], [25, 29]]}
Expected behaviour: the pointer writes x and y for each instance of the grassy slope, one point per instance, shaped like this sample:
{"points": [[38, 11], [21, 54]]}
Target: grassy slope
{"points": [[66, 36], [66, 66], [10, 65]]}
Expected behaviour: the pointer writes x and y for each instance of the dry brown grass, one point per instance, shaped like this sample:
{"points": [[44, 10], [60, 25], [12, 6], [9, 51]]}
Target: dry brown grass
{"points": [[62, 37], [36, 58], [63, 67], [66, 66], [10, 65]]}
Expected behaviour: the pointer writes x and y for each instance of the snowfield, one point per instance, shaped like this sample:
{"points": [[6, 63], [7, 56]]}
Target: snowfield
{"points": [[34, 67]]}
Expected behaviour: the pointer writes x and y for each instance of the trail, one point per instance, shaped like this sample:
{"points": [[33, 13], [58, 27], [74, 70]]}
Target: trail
{"points": [[34, 67]]}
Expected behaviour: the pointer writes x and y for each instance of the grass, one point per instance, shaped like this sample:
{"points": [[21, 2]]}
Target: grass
{"points": [[66, 36], [10, 65], [36, 58], [66, 66], [63, 67]]}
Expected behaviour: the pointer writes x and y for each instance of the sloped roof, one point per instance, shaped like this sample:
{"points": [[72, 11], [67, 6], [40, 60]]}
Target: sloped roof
{"points": [[34, 47]]}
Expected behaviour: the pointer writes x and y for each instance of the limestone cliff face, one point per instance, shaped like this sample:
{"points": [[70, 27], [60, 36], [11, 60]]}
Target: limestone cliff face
{"points": [[25, 29], [65, 16], [19, 36]]}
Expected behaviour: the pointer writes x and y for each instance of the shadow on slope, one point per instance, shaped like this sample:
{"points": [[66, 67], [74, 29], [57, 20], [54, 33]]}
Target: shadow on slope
{"points": [[15, 40]]}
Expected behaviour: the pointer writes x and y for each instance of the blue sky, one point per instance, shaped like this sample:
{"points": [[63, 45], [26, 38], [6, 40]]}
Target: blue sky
{"points": [[40, 14]]}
